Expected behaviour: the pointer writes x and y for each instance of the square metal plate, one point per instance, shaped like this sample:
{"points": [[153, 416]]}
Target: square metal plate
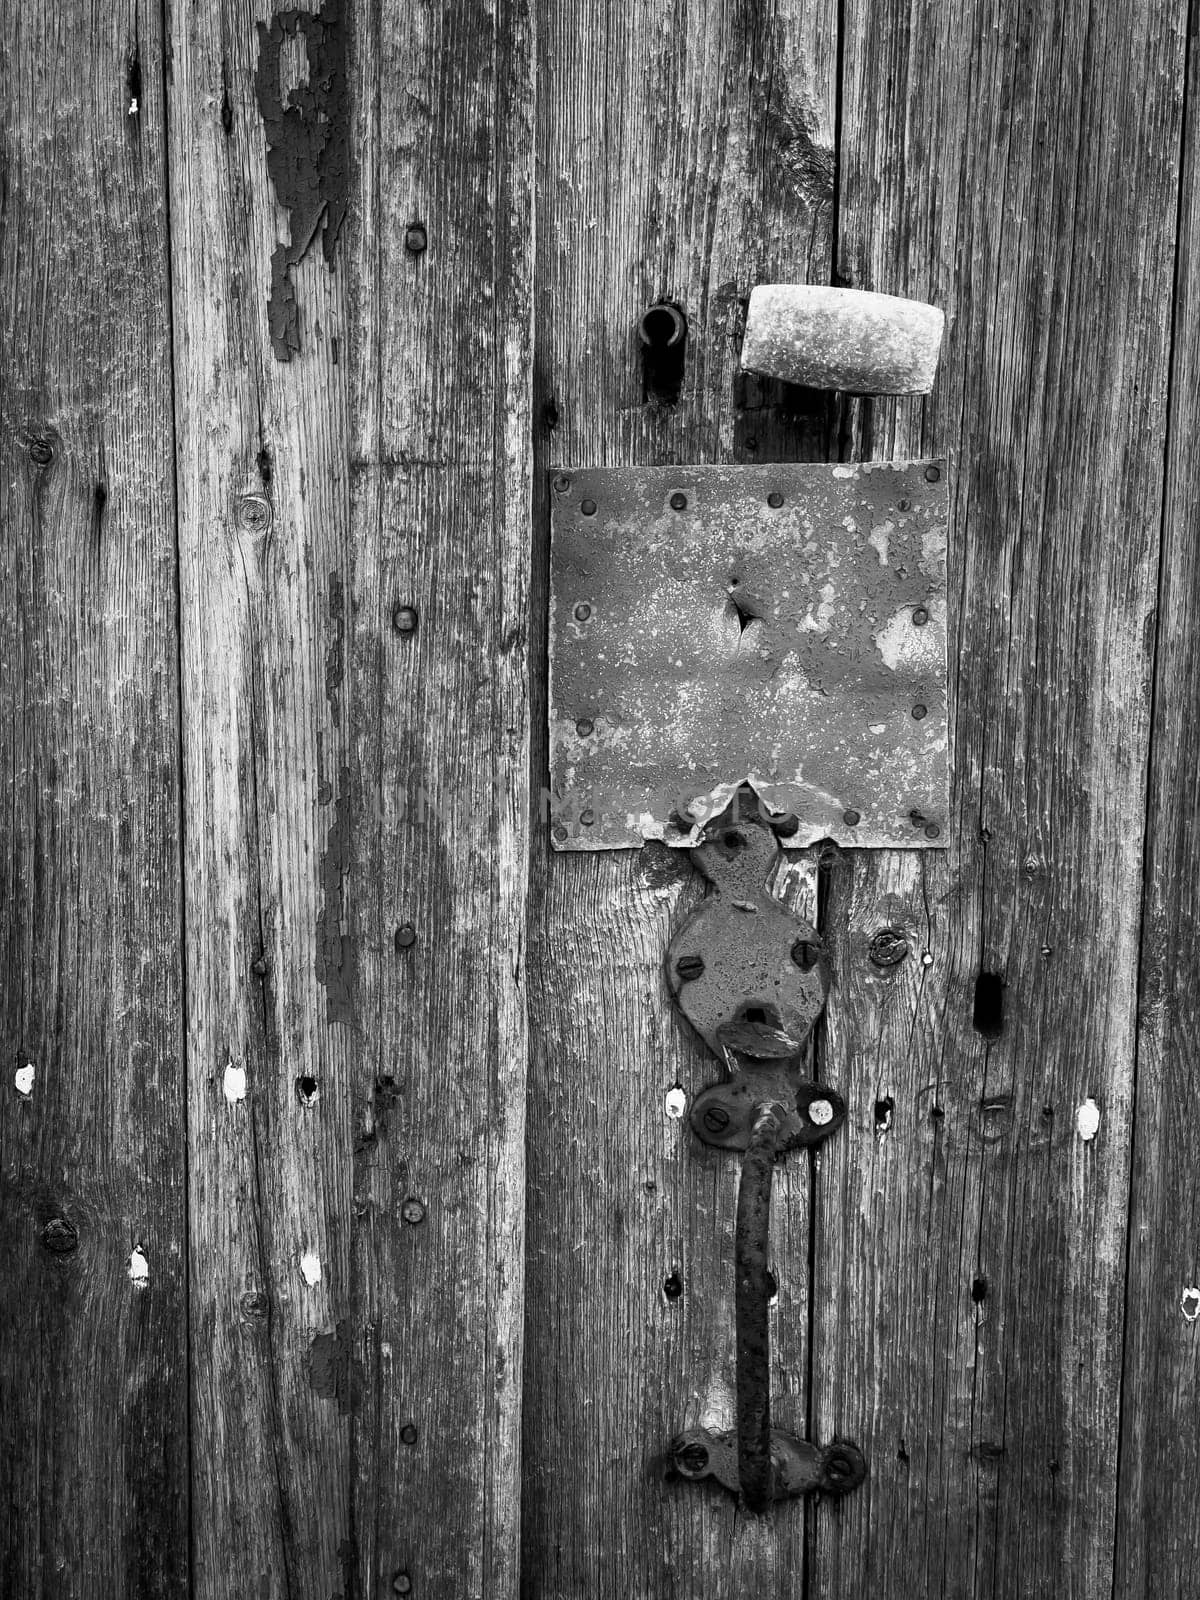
{"points": [[778, 625]]}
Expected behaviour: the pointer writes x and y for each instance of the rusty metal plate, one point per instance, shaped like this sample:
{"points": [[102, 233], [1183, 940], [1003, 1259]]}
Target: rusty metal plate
{"points": [[782, 626]]}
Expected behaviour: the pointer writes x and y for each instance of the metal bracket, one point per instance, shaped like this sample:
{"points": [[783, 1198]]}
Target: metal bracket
{"points": [[781, 626]]}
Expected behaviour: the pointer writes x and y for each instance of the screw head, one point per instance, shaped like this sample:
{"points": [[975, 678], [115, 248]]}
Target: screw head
{"points": [[715, 1119], [692, 1460], [932, 474], [887, 948], [920, 617], [806, 953], [408, 1433], [820, 1112], [587, 508], [582, 611], [689, 967], [585, 727], [41, 452], [678, 502], [851, 817], [775, 499], [404, 619], [413, 1211], [920, 712], [406, 936], [416, 239]]}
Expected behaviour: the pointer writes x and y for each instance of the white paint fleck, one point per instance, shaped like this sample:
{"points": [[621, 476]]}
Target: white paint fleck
{"points": [[1189, 1303], [310, 1268], [1087, 1120], [879, 539], [133, 105], [235, 1082], [23, 1078], [878, 727], [820, 1112], [139, 1268], [926, 958], [676, 1102]]}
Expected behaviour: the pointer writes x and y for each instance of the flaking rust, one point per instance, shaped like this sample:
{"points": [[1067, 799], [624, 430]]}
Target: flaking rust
{"points": [[782, 626]]}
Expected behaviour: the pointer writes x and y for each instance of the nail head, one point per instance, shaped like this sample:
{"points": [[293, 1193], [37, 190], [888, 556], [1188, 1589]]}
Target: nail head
{"points": [[413, 1211], [932, 830], [932, 474], [415, 239], [678, 502], [919, 713], [406, 936], [408, 1433], [588, 508], [561, 483], [920, 616], [775, 499], [585, 727], [851, 817], [820, 1112], [405, 619], [582, 611]]}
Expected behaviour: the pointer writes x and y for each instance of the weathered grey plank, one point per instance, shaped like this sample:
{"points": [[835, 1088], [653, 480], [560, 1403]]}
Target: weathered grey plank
{"points": [[1018, 167], [440, 344], [1158, 1522], [343, 454], [264, 583], [93, 1387], [683, 156]]}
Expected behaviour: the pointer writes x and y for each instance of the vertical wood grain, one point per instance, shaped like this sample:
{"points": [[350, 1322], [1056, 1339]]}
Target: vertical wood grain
{"points": [[684, 155], [93, 1383], [440, 346], [1158, 1525], [1019, 168], [353, 442]]}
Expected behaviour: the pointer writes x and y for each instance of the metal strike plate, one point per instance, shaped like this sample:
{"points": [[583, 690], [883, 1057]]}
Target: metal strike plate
{"points": [[778, 625]]}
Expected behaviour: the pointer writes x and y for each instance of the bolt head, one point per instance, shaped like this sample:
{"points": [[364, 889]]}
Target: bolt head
{"points": [[689, 967], [559, 832], [404, 619], [715, 1119], [806, 953], [413, 1211]]}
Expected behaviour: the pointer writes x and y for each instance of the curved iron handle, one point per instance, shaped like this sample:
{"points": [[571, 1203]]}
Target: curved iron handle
{"points": [[752, 1303]]}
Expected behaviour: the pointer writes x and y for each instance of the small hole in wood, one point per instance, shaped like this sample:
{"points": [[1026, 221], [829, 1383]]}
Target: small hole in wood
{"points": [[883, 1113], [979, 1289], [307, 1090], [988, 1012], [672, 1286]]}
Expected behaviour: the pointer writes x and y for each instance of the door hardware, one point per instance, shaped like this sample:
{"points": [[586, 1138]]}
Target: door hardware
{"points": [[751, 977]]}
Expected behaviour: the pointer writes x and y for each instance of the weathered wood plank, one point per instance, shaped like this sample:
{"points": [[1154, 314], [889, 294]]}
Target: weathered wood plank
{"points": [[354, 442], [1158, 1522], [1018, 168], [273, 1047], [93, 1385], [441, 381], [683, 157]]}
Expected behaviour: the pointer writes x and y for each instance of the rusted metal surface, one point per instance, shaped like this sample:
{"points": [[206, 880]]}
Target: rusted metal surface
{"points": [[797, 1467], [782, 626], [747, 972], [723, 1114], [753, 1297]]}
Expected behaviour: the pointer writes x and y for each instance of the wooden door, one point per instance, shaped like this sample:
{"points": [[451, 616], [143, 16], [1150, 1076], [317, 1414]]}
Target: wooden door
{"points": [[349, 1247]]}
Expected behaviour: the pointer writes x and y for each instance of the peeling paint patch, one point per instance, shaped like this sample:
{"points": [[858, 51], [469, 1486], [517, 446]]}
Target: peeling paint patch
{"points": [[310, 1268], [23, 1079], [335, 662], [308, 149], [334, 1372], [1189, 1303], [1087, 1120], [139, 1268], [337, 949], [676, 1102], [235, 1082]]}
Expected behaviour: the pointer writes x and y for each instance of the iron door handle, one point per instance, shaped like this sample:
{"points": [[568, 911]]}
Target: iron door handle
{"points": [[763, 1109]]}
